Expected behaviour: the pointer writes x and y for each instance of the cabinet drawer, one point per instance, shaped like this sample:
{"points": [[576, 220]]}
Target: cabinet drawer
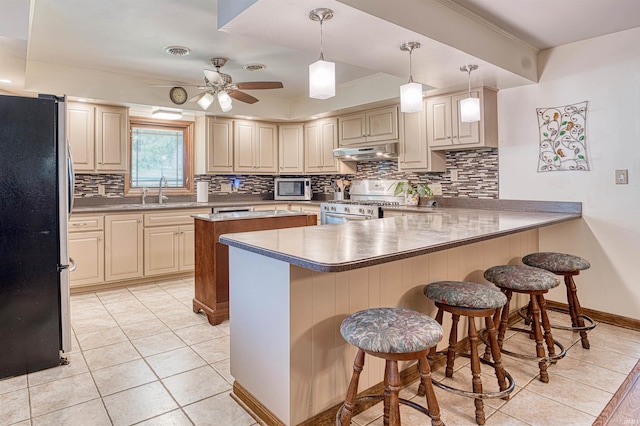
{"points": [[86, 223], [176, 217]]}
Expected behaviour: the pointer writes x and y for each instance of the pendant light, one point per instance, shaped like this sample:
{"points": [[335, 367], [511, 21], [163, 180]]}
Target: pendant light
{"points": [[410, 93], [322, 74], [469, 107]]}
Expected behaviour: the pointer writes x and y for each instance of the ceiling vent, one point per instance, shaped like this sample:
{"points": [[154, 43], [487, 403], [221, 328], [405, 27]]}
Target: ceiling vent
{"points": [[177, 50], [254, 67]]}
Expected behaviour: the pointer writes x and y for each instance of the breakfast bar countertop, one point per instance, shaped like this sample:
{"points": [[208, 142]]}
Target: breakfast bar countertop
{"points": [[353, 245]]}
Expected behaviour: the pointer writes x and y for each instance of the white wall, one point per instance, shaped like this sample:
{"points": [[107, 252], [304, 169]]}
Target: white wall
{"points": [[606, 72]]}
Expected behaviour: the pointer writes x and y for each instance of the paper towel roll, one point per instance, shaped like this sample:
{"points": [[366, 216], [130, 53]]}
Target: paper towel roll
{"points": [[202, 191]]}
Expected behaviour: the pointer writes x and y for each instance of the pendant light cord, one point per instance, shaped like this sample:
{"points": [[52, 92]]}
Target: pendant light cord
{"points": [[469, 71], [321, 53], [410, 66]]}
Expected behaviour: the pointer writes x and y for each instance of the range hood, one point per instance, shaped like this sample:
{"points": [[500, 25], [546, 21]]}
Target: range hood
{"points": [[368, 153]]}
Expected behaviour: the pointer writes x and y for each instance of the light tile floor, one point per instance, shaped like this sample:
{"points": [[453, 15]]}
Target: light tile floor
{"points": [[141, 356]]}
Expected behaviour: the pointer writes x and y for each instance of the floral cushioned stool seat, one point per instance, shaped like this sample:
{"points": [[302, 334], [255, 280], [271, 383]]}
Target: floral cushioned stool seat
{"points": [[566, 265], [393, 334]]}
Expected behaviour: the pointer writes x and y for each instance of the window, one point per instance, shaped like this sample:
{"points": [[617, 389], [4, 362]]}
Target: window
{"points": [[160, 148]]}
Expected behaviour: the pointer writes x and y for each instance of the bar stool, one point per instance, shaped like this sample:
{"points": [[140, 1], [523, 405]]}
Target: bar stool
{"points": [[471, 300], [566, 265], [393, 334], [535, 282]]}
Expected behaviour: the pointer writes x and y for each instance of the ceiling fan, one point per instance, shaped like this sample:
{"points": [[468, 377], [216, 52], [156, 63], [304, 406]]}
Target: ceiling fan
{"points": [[218, 85]]}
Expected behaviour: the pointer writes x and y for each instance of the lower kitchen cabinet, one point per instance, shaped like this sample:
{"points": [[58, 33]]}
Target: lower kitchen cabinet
{"points": [[123, 245], [168, 249], [86, 248], [307, 208]]}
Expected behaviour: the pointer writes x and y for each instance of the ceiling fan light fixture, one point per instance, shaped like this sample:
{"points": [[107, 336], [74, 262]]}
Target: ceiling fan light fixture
{"points": [[469, 107], [206, 101], [322, 74], [164, 114], [225, 101], [410, 93]]}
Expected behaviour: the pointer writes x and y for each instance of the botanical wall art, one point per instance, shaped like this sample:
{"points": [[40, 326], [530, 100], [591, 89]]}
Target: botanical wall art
{"points": [[563, 140]]}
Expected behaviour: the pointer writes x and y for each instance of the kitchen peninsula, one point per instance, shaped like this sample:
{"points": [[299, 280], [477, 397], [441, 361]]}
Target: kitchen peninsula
{"points": [[290, 289]]}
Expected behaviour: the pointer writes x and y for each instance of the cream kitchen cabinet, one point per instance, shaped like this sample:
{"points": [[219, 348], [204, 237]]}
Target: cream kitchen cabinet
{"points": [[320, 139], [86, 248], [307, 208], [98, 137], [375, 125], [291, 149], [270, 207], [123, 245], [255, 147], [414, 153], [214, 145], [169, 240], [445, 131]]}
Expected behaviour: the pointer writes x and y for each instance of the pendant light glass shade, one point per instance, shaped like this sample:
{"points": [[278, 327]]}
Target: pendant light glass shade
{"points": [[411, 97], [469, 107], [410, 93], [206, 101], [322, 80], [322, 74]]}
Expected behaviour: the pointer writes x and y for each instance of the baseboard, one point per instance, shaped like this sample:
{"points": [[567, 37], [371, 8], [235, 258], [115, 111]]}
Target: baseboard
{"points": [[90, 288], [599, 316], [254, 407]]}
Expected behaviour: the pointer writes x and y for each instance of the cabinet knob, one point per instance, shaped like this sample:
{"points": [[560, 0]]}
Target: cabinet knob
{"points": [[139, 220]]}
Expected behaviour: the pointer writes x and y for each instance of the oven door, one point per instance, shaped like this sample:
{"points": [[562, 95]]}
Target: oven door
{"points": [[332, 218]]}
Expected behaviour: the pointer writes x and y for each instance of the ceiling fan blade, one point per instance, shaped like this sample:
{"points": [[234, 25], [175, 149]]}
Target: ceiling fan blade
{"points": [[197, 97], [255, 85], [243, 97], [214, 77]]}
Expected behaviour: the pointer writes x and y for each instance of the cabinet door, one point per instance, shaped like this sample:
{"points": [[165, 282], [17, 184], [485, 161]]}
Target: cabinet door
{"points": [[244, 134], [219, 145], [414, 151], [352, 129], [161, 250], [111, 138], [266, 148], [123, 247], [291, 149], [329, 134], [463, 133], [382, 124], [186, 248], [87, 251], [313, 148], [81, 135], [439, 121]]}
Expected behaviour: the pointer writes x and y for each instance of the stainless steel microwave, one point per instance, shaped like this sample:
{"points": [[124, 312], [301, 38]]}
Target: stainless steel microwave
{"points": [[292, 189]]}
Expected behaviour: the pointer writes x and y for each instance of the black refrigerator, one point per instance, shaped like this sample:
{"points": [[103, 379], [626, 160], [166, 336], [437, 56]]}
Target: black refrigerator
{"points": [[36, 177]]}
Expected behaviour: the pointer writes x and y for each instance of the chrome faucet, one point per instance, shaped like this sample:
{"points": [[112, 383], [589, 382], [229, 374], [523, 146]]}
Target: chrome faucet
{"points": [[144, 194], [160, 196]]}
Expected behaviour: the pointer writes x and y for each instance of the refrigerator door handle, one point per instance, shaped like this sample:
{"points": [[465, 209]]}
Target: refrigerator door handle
{"points": [[72, 176], [72, 264]]}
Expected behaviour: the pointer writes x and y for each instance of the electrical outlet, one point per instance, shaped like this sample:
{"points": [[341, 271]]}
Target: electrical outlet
{"points": [[100, 189], [225, 187], [454, 175], [436, 188], [622, 177]]}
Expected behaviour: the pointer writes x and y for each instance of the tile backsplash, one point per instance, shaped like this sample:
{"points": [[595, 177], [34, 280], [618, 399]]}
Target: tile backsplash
{"points": [[477, 173]]}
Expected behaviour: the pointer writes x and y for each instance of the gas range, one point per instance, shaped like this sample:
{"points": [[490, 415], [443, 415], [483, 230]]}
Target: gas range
{"points": [[367, 199]]}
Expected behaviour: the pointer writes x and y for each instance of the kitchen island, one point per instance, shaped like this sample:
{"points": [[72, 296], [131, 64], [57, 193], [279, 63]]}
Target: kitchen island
{"points": [[287, 356]]}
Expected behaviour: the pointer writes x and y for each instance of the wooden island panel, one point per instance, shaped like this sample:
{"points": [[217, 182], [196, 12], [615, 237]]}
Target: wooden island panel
{"points": [[212, 258]]}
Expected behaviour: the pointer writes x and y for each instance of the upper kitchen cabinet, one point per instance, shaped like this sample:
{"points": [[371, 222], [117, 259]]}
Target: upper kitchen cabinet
{"points": [[445, 131], [321, 138], [214, 145], [98, 137], [377, 125], [291, 149], [255, 147], [414, 153]]}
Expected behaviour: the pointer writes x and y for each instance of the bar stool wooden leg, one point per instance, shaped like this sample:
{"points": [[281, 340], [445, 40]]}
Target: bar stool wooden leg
{"points": [[352, 391], [537, 334], [495, 352], [575, 310], [504, 321], [453, 341], [425, 382], [391, 394], [476, 380], [546, 325]]}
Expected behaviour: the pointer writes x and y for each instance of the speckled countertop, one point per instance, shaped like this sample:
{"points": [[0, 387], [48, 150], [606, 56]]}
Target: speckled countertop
{"points": [[218, 217], [115, 208], [334, 248]]}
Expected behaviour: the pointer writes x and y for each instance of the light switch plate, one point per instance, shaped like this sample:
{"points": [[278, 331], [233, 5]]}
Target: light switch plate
{"points": [[436, 188], [622, 177], [454, 175], [225, 187]]}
